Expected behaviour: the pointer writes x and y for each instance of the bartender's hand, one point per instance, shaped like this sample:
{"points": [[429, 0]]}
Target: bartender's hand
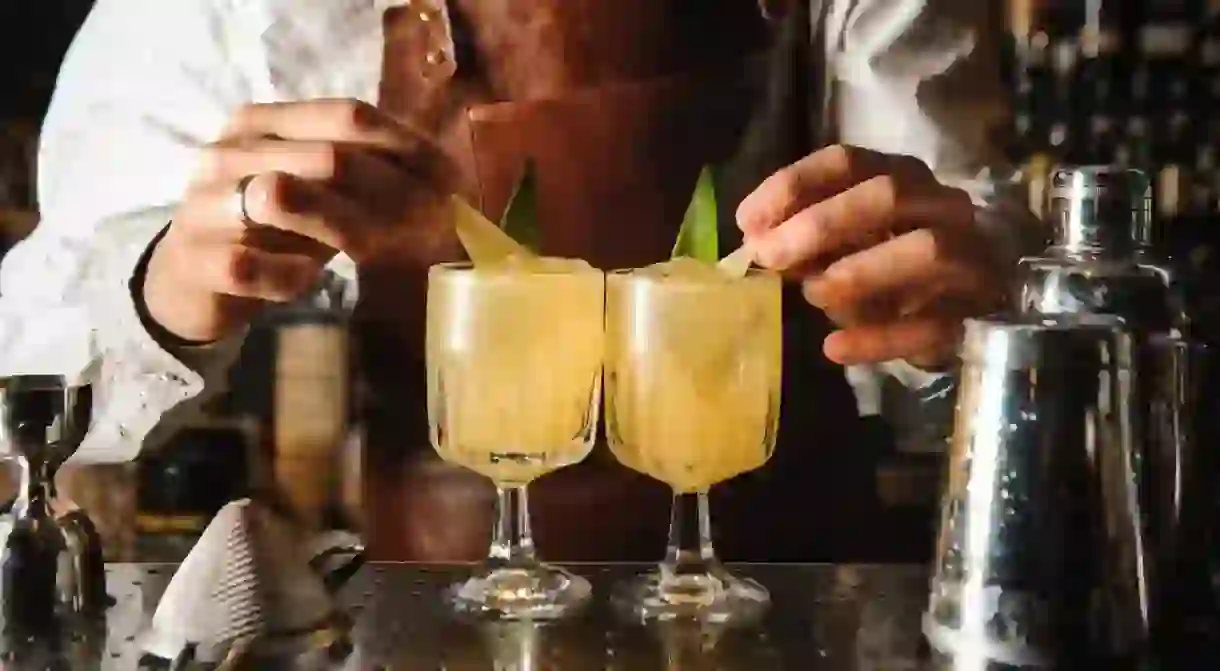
{"points": [[891, 255], [318, 177]]}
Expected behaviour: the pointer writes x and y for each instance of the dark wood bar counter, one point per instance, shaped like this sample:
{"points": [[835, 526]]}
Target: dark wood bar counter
{"points": [[834, 617], [824, 616]]}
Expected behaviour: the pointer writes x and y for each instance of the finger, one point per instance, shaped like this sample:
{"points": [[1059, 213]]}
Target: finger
{"points": [[875, 209], [365, 176], [277, 241], [248, 272], [817, 177], [921, 263], [916, 339], [283, 202], [326, 120], [878, 310]]}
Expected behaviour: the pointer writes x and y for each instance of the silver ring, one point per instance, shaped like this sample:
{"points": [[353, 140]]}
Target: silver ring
{"points": [[242, 187]]}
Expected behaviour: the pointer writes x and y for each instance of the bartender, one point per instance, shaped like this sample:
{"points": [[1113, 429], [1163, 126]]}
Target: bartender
{"points": [[206, 160]]}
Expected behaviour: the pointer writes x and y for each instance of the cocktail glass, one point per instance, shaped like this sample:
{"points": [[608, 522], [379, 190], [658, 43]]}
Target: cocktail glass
{"points": [[514, 354], [692, 399]]}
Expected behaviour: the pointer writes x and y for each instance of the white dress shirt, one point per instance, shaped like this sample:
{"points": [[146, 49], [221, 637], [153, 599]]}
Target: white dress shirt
{"points": [[147, 82]]}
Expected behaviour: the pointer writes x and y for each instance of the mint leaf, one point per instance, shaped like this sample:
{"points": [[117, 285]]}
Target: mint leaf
{"points": [[520, 220], [698, 238]]}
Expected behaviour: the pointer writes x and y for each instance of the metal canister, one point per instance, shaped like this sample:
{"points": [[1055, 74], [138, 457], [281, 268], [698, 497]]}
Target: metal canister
{"points": [[1041, 552], [1105, 259]]}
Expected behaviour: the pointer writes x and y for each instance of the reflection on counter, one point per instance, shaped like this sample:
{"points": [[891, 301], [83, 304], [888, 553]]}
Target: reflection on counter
{"points": [[833, 617], [825, 617]]}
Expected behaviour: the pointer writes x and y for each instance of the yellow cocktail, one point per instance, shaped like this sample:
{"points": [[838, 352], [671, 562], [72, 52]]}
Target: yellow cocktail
{"points": [[692, 399], [514, 353]]}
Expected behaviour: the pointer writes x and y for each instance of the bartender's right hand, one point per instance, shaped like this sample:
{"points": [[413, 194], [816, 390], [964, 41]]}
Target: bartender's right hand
{"points": [[316, 178]]}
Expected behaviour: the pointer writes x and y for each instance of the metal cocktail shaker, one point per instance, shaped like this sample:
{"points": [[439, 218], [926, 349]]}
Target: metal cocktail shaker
{"points": [[1041, 553], [1078, 511], [1104, 260]]}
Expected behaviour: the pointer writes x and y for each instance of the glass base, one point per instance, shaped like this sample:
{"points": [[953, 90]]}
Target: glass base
{"points": [[715, 597], [538, 592]]}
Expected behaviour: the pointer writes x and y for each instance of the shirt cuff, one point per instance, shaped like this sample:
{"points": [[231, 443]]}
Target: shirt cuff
{"points": [[139, 385], [910, 376]]}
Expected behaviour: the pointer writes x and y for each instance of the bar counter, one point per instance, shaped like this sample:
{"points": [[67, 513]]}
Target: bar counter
{"points": [[823, 616]]}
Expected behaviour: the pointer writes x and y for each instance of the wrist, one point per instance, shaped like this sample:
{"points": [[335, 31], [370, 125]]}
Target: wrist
{"points": [[161, 311]]}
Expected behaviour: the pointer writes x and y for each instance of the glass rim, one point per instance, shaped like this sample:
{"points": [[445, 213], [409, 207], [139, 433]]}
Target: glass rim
{"points": [[469, 268], [637, 276]]}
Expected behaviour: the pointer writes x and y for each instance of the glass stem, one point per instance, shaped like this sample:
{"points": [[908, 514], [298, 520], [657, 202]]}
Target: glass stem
{"points": [[37, 489], [512, 543], [689, 552]]}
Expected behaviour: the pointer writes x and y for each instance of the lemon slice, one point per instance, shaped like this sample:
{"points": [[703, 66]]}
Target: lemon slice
{"points": [[485, 242], [737, 264]]}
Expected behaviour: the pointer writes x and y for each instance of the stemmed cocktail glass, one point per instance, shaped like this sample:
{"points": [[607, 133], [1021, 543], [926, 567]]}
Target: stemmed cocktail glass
{"points": [[692, 399], [514, 353]]}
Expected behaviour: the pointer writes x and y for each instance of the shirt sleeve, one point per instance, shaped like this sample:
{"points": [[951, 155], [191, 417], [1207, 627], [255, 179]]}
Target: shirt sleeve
{"points": [[143, 85], [922, 78]]}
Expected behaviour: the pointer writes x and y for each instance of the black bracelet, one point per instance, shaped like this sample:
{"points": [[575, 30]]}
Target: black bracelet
{"points": [[158, 332]]}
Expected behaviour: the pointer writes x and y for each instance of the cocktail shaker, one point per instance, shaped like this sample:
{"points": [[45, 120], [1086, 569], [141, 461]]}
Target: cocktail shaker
{"points": [[1041, 557], [1104, 259]]}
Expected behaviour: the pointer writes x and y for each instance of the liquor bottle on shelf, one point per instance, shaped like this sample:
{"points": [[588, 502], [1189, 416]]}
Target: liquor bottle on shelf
{"points": [[1060, 19], [1035, 175], [1168, 197], [1136, 149], [1064, 66], [1034, 94], [1200, 240], [1173, 138], [1101, 140], [1168, 50], [1097, 80]]}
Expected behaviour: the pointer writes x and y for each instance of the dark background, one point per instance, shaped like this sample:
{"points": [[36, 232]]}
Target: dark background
{"points": [[36, 34]]}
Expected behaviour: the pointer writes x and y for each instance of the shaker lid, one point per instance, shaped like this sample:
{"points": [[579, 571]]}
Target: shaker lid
{"points": [[1104, 208], [1098, 182]]}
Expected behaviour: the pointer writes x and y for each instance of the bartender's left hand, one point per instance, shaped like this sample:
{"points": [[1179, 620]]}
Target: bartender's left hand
{"points": [[890, 254]]}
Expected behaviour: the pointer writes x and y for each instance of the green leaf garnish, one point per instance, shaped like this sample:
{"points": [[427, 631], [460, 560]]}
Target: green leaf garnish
{"points": [[520, 218], [698, 238]]}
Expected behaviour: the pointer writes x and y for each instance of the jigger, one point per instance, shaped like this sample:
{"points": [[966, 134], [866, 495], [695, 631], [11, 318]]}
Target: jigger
{"points": [[1042, 559], [52, 579]]}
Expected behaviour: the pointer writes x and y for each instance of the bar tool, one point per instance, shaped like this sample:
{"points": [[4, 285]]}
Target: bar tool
{"points": [[1041, 555], [246, 591], [52, 579], [1104, 259]]}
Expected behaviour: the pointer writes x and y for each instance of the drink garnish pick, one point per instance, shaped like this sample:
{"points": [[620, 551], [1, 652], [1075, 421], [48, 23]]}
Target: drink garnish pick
{"points": [[516, 236], [738, 263]]}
